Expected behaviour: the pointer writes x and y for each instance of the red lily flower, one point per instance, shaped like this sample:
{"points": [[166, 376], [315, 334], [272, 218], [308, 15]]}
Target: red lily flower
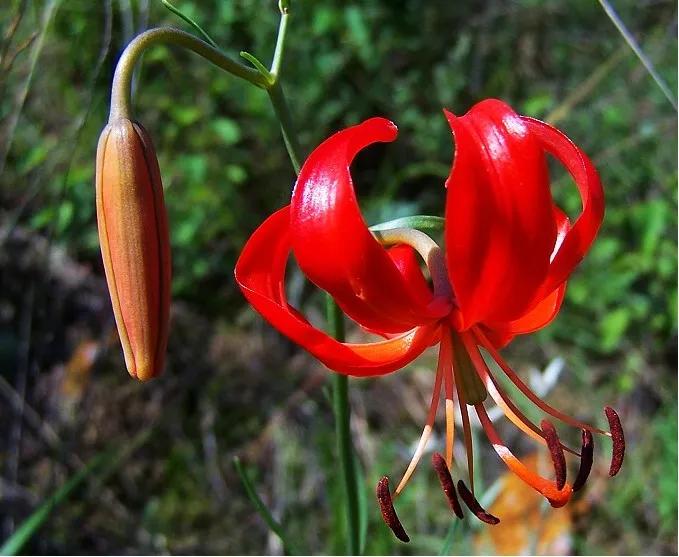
{"points": [[508, 253]]}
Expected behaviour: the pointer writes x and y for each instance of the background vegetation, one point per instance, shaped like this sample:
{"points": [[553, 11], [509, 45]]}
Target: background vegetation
{"points": [[232, 385]]}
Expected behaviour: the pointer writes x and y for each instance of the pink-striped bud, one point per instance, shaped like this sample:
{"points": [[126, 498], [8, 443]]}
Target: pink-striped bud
{"points": [[135, 243]]}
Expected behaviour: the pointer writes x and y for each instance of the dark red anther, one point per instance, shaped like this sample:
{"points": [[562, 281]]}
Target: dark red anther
{"points": [[586, 458], [441, 468], [618, 437], [388, 512], [556, 452], [475, 506]]}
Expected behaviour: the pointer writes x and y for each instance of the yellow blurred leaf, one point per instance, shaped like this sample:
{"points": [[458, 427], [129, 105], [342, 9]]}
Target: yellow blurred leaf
{"points": [[78, 369]]}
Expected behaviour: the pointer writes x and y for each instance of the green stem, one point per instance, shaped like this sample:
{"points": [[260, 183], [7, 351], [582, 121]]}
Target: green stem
{"points": [[335, 321], [280, 107], [334, 315], [280, 44], [120, 90], [342, 413]]}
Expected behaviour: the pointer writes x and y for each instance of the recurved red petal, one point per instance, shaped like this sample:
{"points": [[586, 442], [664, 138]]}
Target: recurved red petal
{"points": [[579, 238], [333, 245], [544, 311], [500, 228], [260, 273]]}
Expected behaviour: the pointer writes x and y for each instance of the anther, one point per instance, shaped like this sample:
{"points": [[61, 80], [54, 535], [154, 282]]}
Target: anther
{"points": [[441, 468], [556, 452], [388, 512], [618, 437], [475, 506], [586, 458]]}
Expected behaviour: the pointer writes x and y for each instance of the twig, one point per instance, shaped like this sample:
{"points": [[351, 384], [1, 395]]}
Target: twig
{"points": [[629, 39], [13, 119], [11, 30], [8, 62]]}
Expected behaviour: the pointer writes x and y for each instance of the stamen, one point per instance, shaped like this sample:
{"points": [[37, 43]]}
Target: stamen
{"points": [[450, 429], [497, 393], [388, 512], [618, 440], [450, 402], [556, 497], [514, 378], [447, 484], [431, 416], [466, 427], [556, 452], [586, 459], [475, 506]]}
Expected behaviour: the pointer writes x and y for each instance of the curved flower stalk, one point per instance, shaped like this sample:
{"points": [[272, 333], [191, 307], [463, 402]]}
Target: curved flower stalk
{"points": [[131, 213], [508, 253]]}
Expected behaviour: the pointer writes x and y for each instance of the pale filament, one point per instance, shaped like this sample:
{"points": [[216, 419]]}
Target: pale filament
{"points": [[426, 433], [514, 378], [512, 413], [450, 401]]}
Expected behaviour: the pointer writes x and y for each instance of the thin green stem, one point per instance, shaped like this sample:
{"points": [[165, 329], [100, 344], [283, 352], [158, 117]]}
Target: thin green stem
{"points": [[342, 413], [280, 44], [120, 90], [282, 111]]}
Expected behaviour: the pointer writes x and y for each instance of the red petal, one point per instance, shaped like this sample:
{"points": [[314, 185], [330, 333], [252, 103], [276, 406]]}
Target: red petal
{"points": [[540, 316], [546, 309], [260, 273], [584, 230], [333, 245], [407, 262], [500, 228]]}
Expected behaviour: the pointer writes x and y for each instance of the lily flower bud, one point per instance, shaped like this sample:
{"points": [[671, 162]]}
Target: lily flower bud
{"points": [[135, 246]]}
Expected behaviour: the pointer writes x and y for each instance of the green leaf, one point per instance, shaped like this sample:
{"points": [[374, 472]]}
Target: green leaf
{"points": [[14, 544], [359, 476], [262, 509], [424, 223], [190, 21]]}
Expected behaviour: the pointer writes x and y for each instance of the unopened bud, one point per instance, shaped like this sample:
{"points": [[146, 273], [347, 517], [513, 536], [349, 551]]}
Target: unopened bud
{"points": [[135, 245]]}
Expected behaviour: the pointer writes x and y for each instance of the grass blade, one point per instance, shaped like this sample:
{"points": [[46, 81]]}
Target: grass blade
{"points": [[32, 524], [629, 39], [262, 509]]}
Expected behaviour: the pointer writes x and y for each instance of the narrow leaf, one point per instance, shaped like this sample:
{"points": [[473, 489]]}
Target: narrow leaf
{"points": [[14, 544], [424, 223], [262, 509], [190, 21]]}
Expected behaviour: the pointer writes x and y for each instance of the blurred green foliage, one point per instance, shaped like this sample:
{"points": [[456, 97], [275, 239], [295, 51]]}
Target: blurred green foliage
{"points": [[224, 169]]}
